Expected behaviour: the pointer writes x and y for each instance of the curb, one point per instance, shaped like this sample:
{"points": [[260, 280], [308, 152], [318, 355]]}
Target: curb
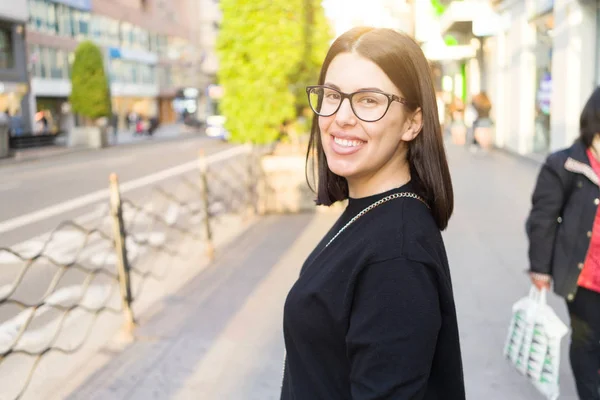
{"points": [[16, 159]]}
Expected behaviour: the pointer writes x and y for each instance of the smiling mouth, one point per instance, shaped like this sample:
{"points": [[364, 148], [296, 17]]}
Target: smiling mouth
{"points": [[346, 142]]}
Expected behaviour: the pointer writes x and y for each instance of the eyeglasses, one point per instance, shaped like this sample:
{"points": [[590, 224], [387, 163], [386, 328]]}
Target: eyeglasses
{"points": [[367, 105]]}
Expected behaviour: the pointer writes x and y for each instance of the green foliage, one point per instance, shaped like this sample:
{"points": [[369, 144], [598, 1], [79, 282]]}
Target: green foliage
{"points": [[262, 50], [438, 7], [317, 38], [90, 93], [450, 40]]}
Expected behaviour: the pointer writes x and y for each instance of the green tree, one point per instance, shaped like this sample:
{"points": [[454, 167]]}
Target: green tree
{"points": [[90, 93], [260, 46], [317, 38]]}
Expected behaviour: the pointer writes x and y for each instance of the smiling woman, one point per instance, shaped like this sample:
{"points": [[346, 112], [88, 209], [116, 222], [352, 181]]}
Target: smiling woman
{"points": [[372, 314]]}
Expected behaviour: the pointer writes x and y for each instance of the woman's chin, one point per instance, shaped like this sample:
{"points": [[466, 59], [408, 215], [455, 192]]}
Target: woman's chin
{"points": [[342, 169]]}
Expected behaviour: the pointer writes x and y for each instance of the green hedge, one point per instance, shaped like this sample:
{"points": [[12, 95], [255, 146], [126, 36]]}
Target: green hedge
{"points": [[90, 93]]}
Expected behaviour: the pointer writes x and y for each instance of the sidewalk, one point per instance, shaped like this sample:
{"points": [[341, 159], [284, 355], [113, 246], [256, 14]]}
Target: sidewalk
{"points": [[164, 132], [220, 337]]}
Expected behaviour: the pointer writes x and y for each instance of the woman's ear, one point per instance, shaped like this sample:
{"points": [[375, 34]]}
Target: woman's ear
{"points": [[413, 124]]}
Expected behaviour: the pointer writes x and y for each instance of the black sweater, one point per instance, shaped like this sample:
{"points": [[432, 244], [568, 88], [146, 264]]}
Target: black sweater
{"points": [[372, 316]]}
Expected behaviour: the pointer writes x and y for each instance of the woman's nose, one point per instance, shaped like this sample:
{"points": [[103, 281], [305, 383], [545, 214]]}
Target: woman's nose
{"points": [[345, 115]]}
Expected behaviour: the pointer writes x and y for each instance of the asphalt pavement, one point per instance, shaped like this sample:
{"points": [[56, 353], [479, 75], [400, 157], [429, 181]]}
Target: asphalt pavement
{"points": [[31, 186]]}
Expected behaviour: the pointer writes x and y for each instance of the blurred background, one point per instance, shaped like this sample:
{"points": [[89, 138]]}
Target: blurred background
{"points": [[153, 202], [170, 62]]}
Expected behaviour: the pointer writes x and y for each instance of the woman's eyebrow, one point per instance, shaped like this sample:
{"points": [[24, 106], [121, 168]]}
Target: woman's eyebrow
{"points": [[333, 85], [372, 88]]}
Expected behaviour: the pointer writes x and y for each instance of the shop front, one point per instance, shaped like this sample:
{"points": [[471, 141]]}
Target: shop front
{"points": [[134, 86], [14, 87], [13, 97], [543, 22], [51, 116], [129, 109]]}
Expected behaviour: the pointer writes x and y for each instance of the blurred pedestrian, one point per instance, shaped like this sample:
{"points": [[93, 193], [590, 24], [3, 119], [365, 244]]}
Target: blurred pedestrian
{"points": [[372, 314], [458, 129], [483, 132], [564, 242]]}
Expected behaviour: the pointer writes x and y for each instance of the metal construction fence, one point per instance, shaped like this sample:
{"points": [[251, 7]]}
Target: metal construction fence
{"points": [[130, 242]]}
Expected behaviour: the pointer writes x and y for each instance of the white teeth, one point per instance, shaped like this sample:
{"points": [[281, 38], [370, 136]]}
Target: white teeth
{"points": [[347, 143]]}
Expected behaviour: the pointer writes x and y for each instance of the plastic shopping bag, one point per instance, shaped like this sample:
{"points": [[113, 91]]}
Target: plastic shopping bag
{"points": [[533, 342]]}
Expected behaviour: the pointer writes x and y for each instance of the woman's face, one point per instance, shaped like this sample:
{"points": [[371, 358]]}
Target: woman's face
{"points": [[358, 150]]}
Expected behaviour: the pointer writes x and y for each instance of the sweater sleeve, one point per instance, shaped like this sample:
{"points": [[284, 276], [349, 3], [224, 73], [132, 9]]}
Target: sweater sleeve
{"points": [[392, 335], [546, 204]]}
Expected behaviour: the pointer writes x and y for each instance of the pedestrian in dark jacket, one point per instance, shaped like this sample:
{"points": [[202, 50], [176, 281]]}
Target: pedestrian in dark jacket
{"points": [[372, 315], [564, 242]]}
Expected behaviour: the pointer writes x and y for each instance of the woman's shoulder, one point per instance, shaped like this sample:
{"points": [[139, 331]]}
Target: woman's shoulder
{"points": [[405, 229], [558, 159]]}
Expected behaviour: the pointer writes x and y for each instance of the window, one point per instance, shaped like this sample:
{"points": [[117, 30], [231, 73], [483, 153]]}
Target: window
{"points": [[51, 22], [124, 34], [70, 60], [6, 48], [51, 63], [114, 33], [43, 62], [64, 17], [161, 45], [144, 39], [52, 18], [82, 24], [123, 71], [37, 20], [164, 76]]}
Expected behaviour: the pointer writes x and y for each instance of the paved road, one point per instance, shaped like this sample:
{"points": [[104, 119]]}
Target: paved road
{"points": [[32, 186], [220, 337]]}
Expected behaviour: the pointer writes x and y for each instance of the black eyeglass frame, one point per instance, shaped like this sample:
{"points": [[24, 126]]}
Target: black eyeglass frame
{"points": [[391, 98]]}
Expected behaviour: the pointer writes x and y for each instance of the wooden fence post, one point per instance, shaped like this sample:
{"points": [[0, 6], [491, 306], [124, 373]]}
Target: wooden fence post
{"points": [[123, 267], [251, 183], [210, 248]]}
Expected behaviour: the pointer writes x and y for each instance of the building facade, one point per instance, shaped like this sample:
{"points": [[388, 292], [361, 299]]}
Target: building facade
{"points": [[150, 47], [14, 80], [538, 61], [547, 67]]}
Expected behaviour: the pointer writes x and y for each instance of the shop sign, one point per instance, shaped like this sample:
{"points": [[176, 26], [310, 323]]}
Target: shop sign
{"points": [[133, 55]]}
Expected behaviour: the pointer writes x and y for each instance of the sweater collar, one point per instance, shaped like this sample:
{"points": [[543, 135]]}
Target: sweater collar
{"points": [[363, 202]]}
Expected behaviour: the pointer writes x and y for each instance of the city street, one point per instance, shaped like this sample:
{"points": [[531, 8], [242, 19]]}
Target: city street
{"points": [[220, 336], [30, 187]]}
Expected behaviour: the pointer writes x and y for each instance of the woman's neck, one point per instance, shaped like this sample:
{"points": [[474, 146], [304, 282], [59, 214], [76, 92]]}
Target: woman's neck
{"points": [[379, 182]]}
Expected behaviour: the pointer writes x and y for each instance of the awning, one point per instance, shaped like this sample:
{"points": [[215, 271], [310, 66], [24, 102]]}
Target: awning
{"points": [[467, 18]]}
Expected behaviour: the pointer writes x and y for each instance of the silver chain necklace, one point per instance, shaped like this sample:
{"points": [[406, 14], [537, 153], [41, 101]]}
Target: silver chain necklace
{"points": [[372, 206]]}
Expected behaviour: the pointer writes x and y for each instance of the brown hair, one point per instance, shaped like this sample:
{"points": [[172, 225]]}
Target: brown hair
{"points": [[403, 61], [482, 105]]}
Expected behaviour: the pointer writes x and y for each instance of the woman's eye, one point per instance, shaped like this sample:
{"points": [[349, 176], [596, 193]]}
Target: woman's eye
{"points": [[369, 101]]}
